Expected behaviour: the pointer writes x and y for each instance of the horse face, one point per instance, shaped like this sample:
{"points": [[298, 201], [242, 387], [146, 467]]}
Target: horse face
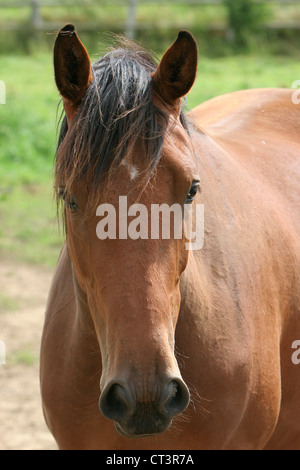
{"points": [[128, 270]]}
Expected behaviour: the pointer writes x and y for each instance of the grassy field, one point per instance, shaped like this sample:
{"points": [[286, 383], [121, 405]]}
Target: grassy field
{"points": [[110, 13], [28, 228], [156, 22], [27, 145]]}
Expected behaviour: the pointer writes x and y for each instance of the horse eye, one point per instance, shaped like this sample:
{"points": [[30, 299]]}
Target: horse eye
{"points": [[192, 192], [68, 200]]}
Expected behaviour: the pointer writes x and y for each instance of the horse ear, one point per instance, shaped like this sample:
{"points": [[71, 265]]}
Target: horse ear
{"points": [[72, 67], [176, 72]]}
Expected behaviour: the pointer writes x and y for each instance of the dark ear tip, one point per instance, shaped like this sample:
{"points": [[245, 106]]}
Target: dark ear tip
{"points": [[185, 35], [68, 28]]}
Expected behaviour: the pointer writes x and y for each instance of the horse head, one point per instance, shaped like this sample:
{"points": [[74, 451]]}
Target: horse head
{"points": [[125, 135]]}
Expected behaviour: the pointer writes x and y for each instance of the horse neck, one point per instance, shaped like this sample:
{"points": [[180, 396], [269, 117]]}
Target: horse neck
{"points": [[208, 265]]}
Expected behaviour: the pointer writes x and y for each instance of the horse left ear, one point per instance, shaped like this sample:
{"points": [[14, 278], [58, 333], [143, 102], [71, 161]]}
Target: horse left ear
{"points": [[72, 68], [176, 72]]}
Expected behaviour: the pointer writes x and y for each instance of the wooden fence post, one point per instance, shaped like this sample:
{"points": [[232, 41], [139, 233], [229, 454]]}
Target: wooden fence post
{"points": [[131, 19], [36, 19]]}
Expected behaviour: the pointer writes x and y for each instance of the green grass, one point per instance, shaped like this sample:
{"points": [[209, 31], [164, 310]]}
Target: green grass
{"points": [[28, 229], [28, 118], [26, 357], [27, 146], [226, 74], [7, 304], [157, 23], [109, 14]]}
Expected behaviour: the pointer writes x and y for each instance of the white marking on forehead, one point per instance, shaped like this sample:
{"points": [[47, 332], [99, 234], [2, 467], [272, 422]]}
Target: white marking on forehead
{"points": [[132, 169]]}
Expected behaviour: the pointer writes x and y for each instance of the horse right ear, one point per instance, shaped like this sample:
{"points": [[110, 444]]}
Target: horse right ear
{"points": [[176, 71], [72, 68]]}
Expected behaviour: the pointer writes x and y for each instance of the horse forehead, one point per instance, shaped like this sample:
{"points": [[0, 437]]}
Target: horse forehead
{"points": [[178, 154], [131, 168], [176, 135]]}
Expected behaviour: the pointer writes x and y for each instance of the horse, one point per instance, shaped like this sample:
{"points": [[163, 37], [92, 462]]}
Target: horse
{"points": [[148, 343]]}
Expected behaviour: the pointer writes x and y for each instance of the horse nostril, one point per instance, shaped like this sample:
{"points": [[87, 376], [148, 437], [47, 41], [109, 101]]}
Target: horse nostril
{"points": [[114, 402], [178, 397]]}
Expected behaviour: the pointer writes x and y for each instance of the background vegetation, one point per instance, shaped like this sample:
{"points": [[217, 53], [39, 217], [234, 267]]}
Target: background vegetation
{"points": [[235, 52]]}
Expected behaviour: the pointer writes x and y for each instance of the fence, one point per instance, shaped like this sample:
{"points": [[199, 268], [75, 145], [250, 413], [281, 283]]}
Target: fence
{"points": [[35, 18]]}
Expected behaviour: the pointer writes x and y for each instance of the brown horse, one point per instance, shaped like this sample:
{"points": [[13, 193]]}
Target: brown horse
{"points": [[187, 349]]}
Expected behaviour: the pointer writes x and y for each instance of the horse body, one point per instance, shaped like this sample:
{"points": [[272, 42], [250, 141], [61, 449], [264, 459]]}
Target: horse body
{"points": [[238, 302], [252, 212]]}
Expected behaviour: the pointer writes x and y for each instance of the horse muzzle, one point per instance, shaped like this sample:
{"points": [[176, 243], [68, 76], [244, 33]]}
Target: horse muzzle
{"points": [[137, 417]]}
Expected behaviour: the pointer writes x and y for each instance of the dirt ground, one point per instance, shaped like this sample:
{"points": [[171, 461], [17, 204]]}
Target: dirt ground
{"points": [[23, 295]]}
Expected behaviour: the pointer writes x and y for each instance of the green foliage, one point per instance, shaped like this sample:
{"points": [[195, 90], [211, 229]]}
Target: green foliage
{"points": [[28, 229], [157, 25], [244, 18], [27, 130]]}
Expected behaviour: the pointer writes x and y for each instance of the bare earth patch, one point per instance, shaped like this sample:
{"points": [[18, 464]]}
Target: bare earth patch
{"points": [[23, 295]]}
